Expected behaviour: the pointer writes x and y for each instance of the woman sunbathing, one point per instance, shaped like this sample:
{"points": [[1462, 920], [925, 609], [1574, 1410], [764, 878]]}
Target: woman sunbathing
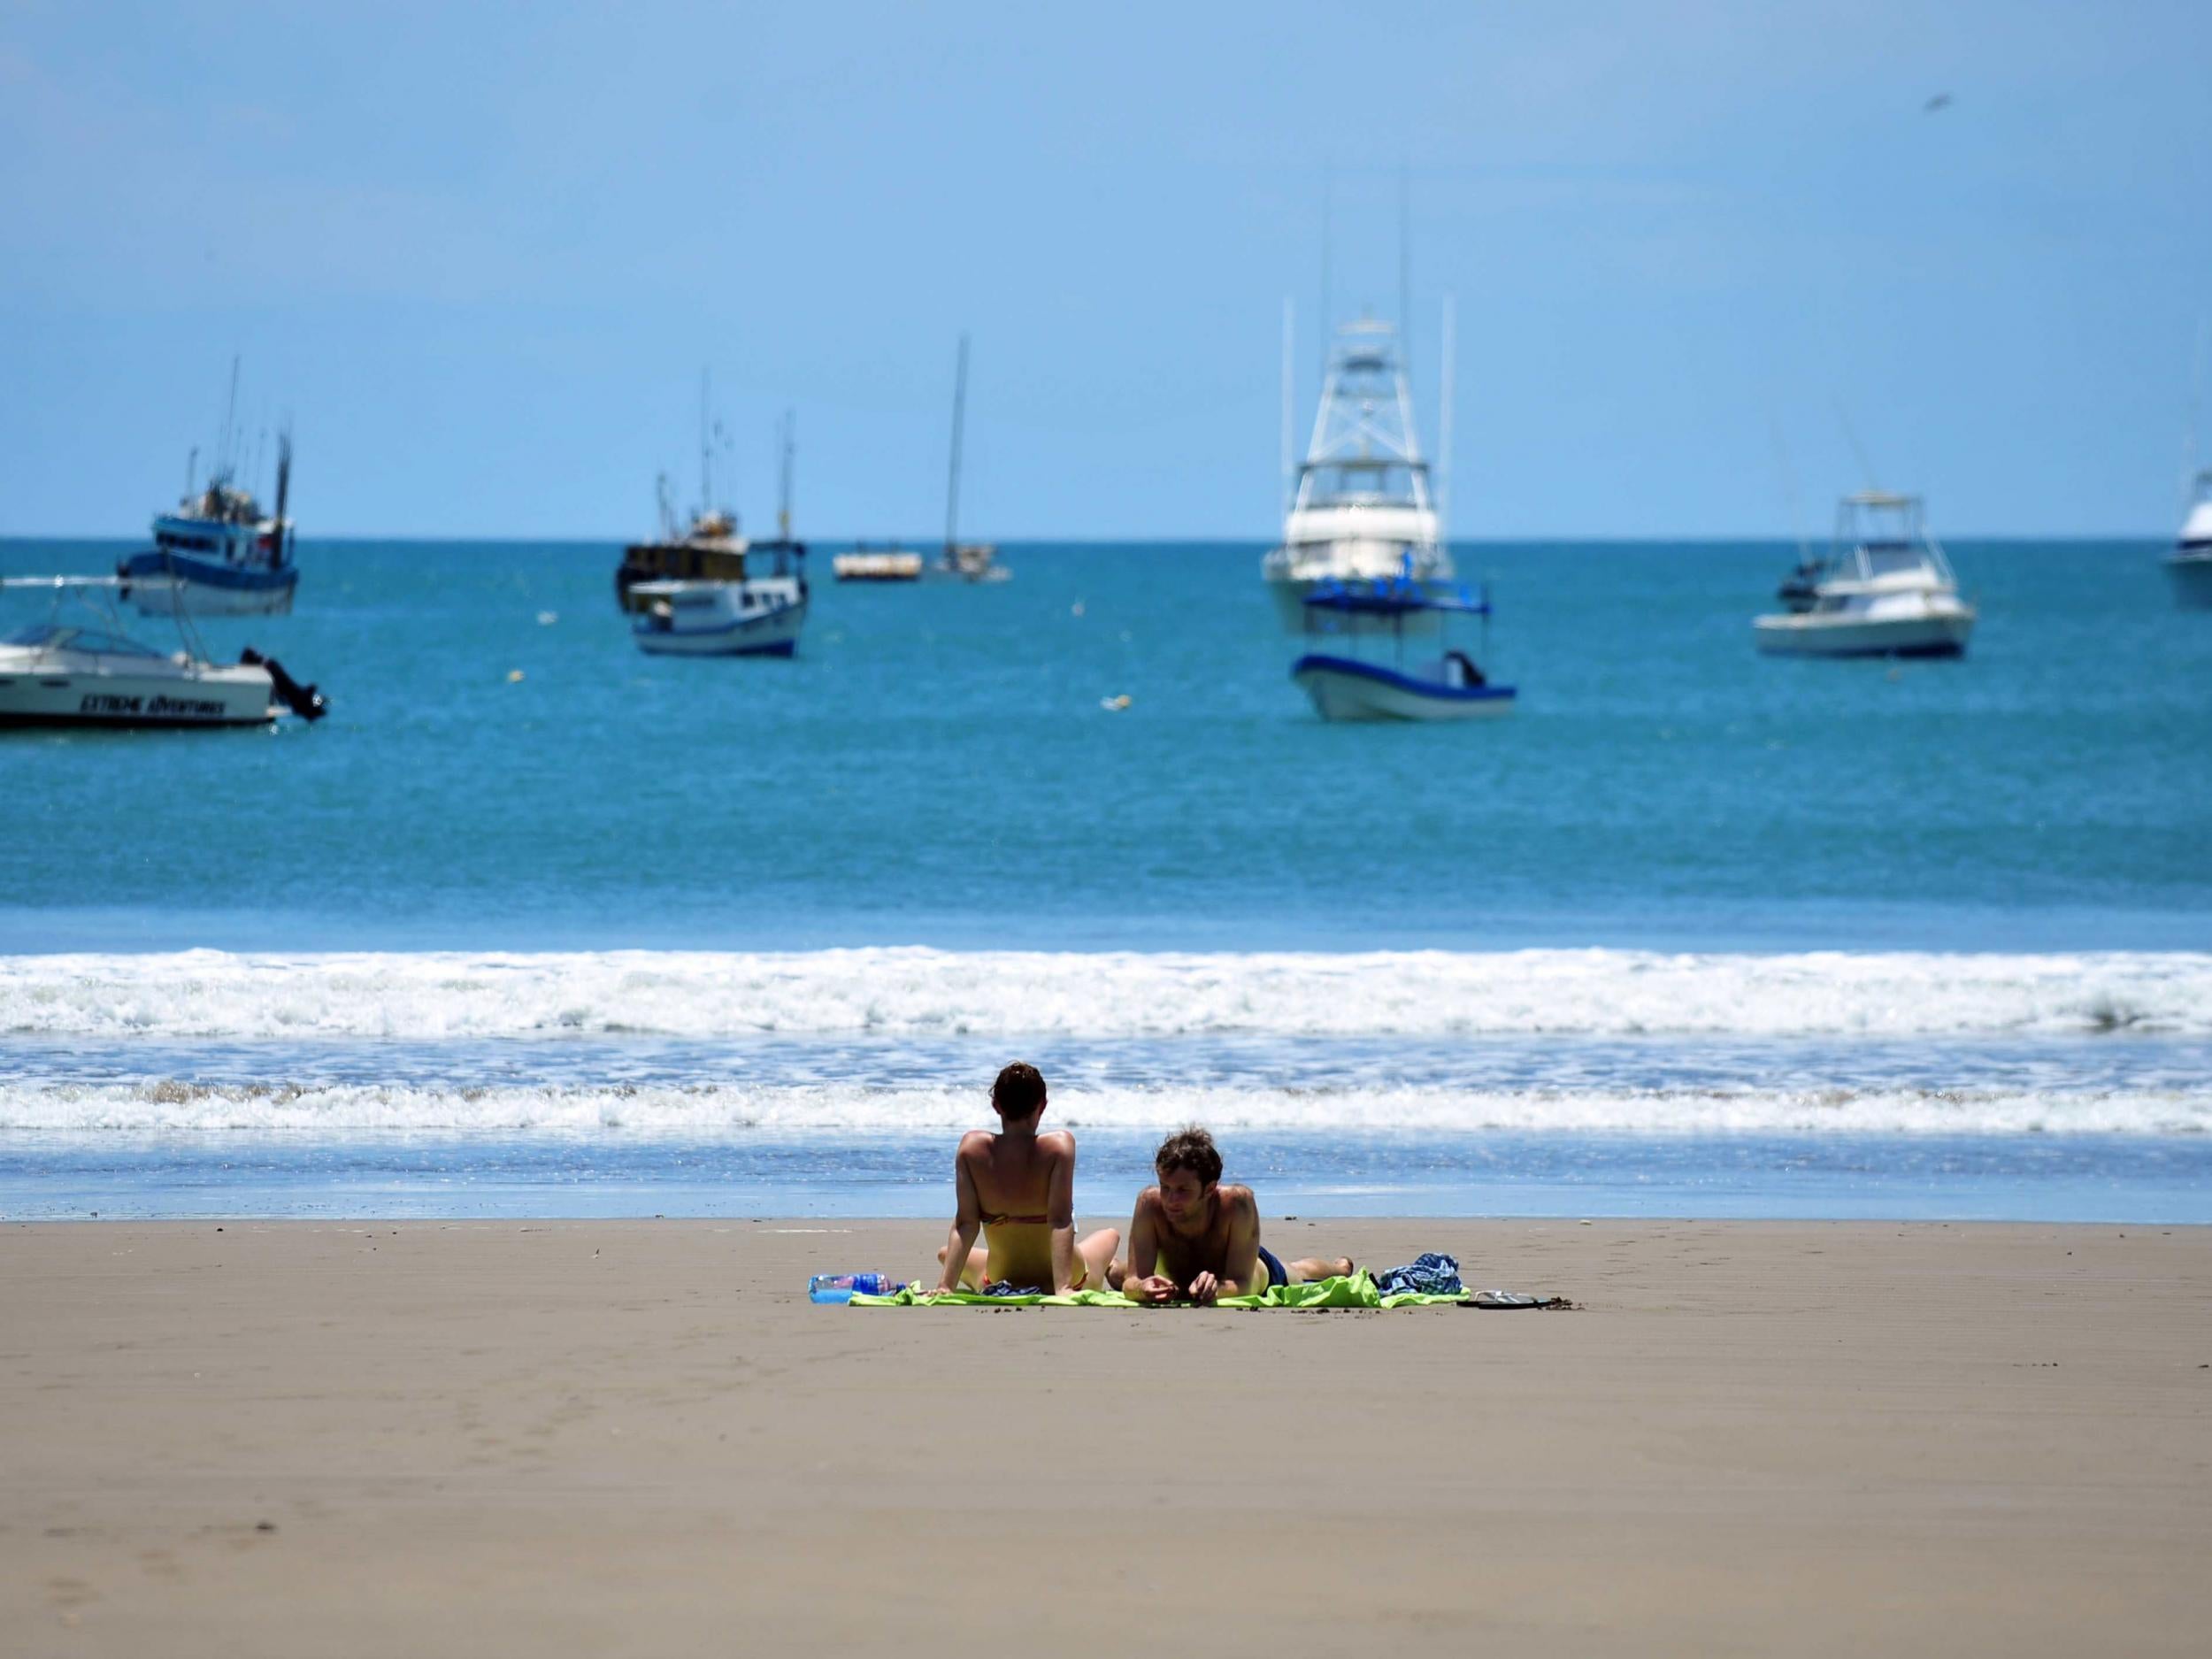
{"points": [[1018, 1187]]}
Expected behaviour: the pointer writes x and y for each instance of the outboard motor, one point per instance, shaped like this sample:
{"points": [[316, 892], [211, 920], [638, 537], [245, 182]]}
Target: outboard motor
{"points": [[304, 701]]}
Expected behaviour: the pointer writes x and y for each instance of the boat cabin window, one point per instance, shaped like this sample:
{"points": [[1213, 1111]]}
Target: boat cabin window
{"points": [[1890, 558], [109, 644]]}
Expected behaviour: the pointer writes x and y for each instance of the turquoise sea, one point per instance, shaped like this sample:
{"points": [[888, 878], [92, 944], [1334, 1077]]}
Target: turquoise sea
{"points": [[535, 924]]}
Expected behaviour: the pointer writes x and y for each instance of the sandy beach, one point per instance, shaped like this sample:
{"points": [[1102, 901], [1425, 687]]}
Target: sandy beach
{"points": [[628, 1437]]}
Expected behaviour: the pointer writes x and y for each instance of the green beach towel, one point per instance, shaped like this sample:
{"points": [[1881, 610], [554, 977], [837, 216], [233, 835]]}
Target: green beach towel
{"points": [[1356, 1291]]}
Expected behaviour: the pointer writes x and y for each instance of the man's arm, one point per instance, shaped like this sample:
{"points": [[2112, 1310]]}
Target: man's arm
{"points": [[967, 1222], [1241, 1261], [1142, 1284], [1060, 1211]]}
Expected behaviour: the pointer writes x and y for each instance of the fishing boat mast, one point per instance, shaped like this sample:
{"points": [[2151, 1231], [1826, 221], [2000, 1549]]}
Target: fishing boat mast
{"points": [[952, 482]]}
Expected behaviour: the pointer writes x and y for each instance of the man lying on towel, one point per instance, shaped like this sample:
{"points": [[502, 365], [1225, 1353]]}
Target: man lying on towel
{"points": [[1193, 1239]]}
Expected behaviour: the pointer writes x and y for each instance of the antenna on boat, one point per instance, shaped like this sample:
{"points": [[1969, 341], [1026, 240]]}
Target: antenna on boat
{"points": [[1405, 271], [783, 498], [1444, 416], [952, 481], [1328, 202], [706, 454], [1851, 437], [191, 470], [1289, 345], [1789, 489], [230, 416]]}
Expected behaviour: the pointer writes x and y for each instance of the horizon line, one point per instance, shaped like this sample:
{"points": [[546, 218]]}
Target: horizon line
{"points": [[924, 543]]}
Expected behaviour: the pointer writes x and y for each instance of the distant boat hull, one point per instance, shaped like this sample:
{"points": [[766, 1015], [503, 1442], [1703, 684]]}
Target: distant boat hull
{"points": [[877, 567], [160, 583], [2190, 570], [1938, 631], [720, 628], [1345, 689]]}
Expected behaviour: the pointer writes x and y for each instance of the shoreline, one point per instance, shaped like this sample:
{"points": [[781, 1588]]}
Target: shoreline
{"points": [[243, 1437]]}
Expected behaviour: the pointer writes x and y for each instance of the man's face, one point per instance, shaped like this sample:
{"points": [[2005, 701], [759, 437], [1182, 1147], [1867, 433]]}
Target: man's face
{"points": [[1181, 1192]]}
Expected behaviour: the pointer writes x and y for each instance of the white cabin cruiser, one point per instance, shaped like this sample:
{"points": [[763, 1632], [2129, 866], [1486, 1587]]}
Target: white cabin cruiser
{"points": [[1887, 590], [1362, 510], [67, 671], [2189, 564], [756, 615]]}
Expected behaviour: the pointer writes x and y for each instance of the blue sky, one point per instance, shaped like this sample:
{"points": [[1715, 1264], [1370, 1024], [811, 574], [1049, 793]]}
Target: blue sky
{"points": [[481, 254]]}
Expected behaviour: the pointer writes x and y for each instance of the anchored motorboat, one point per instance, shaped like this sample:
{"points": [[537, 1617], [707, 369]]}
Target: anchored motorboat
{"points": [[1887, 590], [1361, 509], [218, 554], [68, 671], [760, 614], [1350, 619], [2189, 564]]}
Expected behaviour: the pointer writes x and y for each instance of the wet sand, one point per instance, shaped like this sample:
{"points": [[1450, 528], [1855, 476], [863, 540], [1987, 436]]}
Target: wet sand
{"points": [[638, 1438]]}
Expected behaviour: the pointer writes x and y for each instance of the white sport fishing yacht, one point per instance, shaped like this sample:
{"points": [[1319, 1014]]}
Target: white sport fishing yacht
{"points": [[1887, 590], [1362, 510], [84, 670], [2190, 563]]}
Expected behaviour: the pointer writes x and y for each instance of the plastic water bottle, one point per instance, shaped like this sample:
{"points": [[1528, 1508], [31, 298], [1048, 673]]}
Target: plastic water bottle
{"points": [[845, 1287]]}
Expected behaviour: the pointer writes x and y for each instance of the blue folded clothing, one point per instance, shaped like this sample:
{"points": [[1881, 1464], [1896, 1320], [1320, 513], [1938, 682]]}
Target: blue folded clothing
{"points": [[1429, 1274], [1000, 1288]]}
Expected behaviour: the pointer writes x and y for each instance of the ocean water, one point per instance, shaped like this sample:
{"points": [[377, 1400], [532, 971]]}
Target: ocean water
{"points": [[1692, 932]]}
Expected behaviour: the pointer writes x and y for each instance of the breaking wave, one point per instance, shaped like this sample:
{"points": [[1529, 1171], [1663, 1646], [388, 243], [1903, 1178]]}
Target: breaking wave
{"points": [[803, 1110], [915, 992]]}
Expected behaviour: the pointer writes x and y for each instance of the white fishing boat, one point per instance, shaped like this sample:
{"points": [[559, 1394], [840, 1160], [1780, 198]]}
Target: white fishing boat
{"points": [[2189, 566], [1342, 669], [1885, 590], [74, 670], [760, 614], [1361, 509], [218, 554]]}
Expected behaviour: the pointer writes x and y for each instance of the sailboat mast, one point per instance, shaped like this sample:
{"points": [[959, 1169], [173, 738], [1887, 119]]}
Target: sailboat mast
{"points": [[1289, 346], [959, 411], [783, 498], [2196, 401], [1444, 416]]}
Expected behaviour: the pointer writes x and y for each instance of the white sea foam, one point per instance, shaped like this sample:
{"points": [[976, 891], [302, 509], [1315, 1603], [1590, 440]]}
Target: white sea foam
{"points": [[805, 1110], [913, 992]]}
